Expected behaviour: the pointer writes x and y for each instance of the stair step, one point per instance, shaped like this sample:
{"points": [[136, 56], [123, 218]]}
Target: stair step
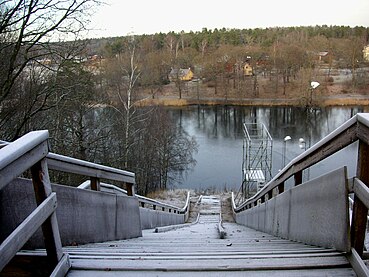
{"points": [[341, 272], [210, 264]]}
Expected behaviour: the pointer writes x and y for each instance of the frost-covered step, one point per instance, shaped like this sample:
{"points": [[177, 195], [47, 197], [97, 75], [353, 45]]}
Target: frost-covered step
{"points": [[210, 264], [341, 272], [197, 256], [210, 205]]}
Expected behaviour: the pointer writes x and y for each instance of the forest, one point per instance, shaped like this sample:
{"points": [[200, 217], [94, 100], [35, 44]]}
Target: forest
{"points": [[283, 60], [87, 92]]}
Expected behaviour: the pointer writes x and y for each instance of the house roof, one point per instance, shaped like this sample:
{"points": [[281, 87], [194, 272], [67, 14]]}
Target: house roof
{"points": [[179, 72], [323, 53]]}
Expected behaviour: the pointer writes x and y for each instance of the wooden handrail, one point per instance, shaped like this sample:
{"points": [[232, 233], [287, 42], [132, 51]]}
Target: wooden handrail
{"points": [[72, 165], [32, 152], [58, 162], [149, 201], [29, 152], [92, 170], [20, 155], [144, 201]]}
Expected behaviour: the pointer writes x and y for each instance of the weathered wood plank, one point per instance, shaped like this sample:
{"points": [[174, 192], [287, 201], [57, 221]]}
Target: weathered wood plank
{"points": [[62, 268], [14, 242], [357, 264], [207, 253], [363, 133], [360, 211], [95, 183], [17, 166], [192, 256], [298, 178], [337, 272], [21, 146], [50, 228], [362, 192], [204, 265], [71, 165]]}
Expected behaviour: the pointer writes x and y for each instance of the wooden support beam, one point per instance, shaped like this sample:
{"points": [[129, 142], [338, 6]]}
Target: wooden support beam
{"points": [[50, 229], [361, 191], [298, 178], [281, 188], [270, 194], [15, 241], [62, 268], [357, 264], [360, 211], [95, 183], [130, 189]]}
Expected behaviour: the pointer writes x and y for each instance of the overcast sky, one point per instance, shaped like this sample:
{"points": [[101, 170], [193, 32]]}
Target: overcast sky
{"points": [[120, 17]]}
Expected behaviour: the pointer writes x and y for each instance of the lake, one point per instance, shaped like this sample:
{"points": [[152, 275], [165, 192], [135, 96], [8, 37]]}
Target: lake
{"points": [[218, 131]]}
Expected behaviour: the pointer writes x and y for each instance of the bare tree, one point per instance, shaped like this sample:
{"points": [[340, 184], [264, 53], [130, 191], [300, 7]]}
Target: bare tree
{"points": [[164, 154], [27, 28], [123, 74]]}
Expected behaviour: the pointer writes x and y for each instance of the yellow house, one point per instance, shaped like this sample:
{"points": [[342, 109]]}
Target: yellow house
{"points": [[181, 74], [247, 70], [366, 53]]}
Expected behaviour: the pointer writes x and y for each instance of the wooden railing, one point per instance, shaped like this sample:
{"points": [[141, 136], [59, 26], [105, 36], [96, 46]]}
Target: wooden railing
{"points": [[31, 152], [143, 201], [96, 172], [157, 205], [355, 129]]}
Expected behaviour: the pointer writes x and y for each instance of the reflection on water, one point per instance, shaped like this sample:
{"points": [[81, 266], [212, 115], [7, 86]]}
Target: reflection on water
{"points": [[218, 131]]}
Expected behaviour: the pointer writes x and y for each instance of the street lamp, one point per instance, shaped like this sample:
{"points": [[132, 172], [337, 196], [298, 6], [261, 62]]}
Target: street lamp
{"points": [[313, 85], [287, 138], [302, 144]]}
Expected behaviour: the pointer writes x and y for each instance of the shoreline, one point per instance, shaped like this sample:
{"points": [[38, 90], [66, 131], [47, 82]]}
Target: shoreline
{"points": [[327, 101]]}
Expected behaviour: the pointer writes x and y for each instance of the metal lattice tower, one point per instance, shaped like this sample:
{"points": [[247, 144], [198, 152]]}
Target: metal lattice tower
{"points": [[257, 159]]}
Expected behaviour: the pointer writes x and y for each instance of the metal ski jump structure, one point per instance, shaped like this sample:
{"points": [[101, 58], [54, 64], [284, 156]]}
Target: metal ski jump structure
{"points": [[257, 159]]}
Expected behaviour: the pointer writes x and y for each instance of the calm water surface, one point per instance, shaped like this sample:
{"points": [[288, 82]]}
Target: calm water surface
{"points": [[219, 134]]}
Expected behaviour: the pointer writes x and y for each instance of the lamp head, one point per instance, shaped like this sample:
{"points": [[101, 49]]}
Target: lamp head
{"points": [[314, 84]]}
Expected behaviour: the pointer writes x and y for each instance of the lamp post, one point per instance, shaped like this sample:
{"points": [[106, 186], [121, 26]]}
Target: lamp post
{"points": [[302, 144], [287, 138], [313, 85]]}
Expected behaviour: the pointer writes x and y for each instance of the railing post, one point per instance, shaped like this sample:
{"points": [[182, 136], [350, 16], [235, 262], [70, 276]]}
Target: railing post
{"points": [[360, 212], [50, 229], [130, 189], [281, 188], [95, 183], [298, 178], [270, 194]]}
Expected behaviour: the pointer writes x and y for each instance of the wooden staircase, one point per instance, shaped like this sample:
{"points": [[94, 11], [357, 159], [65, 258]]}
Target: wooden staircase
{"points": [[197, 250]]}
